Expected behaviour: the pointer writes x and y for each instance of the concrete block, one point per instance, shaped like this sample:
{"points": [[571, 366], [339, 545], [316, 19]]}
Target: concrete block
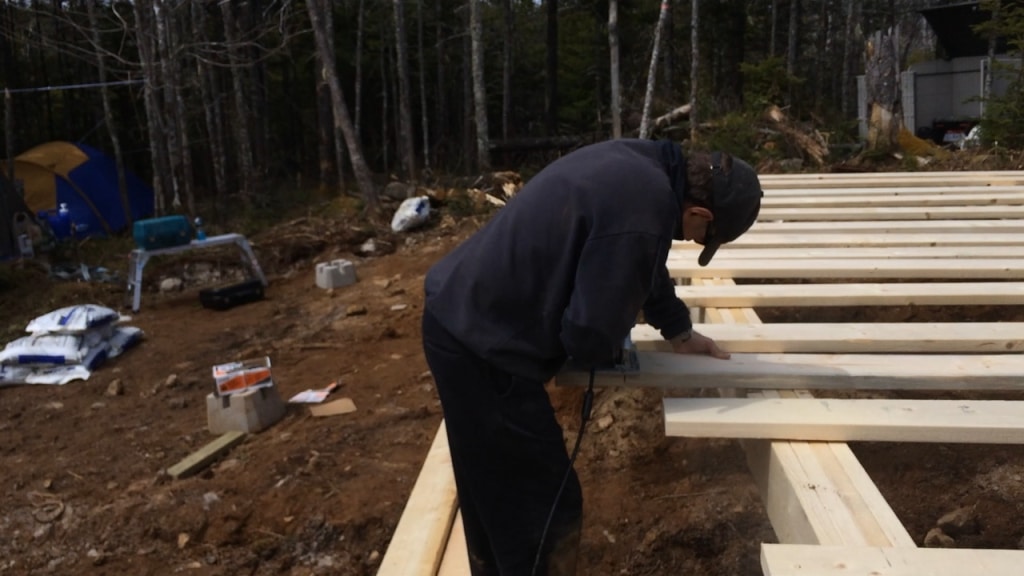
{"points": [[249, 411], [335, 274]]}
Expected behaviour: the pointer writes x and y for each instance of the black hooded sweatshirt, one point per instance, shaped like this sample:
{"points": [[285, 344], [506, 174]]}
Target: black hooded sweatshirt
{"points": [[564, 269]]}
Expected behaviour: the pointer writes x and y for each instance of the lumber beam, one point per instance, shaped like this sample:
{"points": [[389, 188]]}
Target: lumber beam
{"points": [[741, 252], [809, 560], [863, 240], [858, 294], [418, 544], [816, 372], [938, 268], [850, 199], [203, 457], [813, 492], [852, 338], [892, 213], [887, 227], [847, 420]]}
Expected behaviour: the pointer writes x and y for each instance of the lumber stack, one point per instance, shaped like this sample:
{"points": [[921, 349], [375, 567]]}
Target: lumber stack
{"points": [[853, 240], [832, 240]]}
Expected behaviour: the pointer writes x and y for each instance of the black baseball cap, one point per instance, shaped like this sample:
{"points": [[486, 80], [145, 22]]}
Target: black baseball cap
{"points": [[735, 201]]}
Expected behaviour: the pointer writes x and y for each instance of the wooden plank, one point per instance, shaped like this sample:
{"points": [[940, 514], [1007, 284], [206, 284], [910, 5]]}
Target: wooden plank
{"points": [[856, 294], [939, 268], [847, 420], [203, 457], [930, 189], [892, 213], [888, 227], [864, 240], [851, 199], [813, 492], [817, 372], [456, 555], [743, 252], [418, 544], [810, 560], [853, 338]]}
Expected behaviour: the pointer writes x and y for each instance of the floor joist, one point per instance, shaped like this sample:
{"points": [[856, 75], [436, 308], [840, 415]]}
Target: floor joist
{"points": [[816, 372], [800, 251], [853, 338], [803, 560], [847, 420], [940, 268], [862, 294]]}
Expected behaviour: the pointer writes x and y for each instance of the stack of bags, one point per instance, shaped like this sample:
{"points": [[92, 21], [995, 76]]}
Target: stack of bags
{"points": [[65, 345]]}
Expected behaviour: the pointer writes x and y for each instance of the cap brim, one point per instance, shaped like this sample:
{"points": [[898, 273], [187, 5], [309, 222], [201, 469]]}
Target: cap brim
{"points": [[708, 253]]}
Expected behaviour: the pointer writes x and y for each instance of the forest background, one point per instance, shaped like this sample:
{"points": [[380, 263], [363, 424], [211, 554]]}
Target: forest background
{"points": [[259, 104]]}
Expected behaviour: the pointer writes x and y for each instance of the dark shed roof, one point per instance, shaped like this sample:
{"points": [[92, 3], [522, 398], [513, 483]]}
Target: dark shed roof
{"points": [[954, 29]]}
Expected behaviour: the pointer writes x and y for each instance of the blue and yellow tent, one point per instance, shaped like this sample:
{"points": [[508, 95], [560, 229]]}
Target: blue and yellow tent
{"points": [[85, 179]]}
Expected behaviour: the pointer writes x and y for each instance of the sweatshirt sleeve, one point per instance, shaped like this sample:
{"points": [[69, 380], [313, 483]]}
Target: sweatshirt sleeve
{"points": [[613, 278], [663, 309]]}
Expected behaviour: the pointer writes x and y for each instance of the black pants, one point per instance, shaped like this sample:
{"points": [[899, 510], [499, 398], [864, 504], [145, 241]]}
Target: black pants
{"points": [[509, 459]]}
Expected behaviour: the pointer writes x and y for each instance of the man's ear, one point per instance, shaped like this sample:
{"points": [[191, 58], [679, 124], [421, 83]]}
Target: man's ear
{"points": [[700, 212]]}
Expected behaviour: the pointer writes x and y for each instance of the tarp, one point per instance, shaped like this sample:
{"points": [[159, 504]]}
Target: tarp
{"points": [[86, 180]]}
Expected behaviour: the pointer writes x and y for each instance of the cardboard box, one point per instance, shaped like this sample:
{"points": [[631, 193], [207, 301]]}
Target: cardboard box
{"points": [[234, 377]]}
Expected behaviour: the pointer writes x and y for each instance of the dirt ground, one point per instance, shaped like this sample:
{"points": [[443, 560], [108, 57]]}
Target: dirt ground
{"points": [[83, 488]]}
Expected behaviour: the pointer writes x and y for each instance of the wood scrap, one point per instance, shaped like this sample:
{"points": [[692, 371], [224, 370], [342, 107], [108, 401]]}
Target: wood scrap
{"points": [[206, 455]]}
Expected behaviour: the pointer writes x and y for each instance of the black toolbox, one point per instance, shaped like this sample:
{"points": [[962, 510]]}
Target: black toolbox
{"points": [[225, 297]]}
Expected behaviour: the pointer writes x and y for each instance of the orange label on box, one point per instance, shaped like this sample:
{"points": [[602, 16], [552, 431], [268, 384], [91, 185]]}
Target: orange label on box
{"points": [[235, 377]]}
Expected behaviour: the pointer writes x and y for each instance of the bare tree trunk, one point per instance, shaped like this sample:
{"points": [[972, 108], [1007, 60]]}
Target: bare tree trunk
{"points": [[483, 144], [467, 92], [506, 68], [848, 43], [405, 129], [694, 72], [341, 117], [108, 114], [551, 69], [338, 144], [144, 32], [360, 31], [173, 108], [385, 137], [652, 70], [212, 110], [425, 125], [794, 35], [241, 124], [9, 133], [775, 20], [882, 88], [613, 48], [441, 103]]}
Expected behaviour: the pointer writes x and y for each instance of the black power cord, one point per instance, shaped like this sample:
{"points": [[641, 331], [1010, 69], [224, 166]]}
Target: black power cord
{"points": [[588, 404]]}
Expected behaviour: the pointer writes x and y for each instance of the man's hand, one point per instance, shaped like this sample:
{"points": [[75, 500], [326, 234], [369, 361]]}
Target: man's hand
{"points": [[697, 343]]}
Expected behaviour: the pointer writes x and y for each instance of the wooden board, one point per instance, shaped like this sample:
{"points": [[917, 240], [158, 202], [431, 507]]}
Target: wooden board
{"points": [[892, 213], [817, 372], [853, 338], [888, 227], [847, 420], [456, 555], [855, 294], [812, 492], [742, 252], [863, 240], [203, 457], [853, 200], [418, 544], [807, 560], [932, 189], [939, 268]]}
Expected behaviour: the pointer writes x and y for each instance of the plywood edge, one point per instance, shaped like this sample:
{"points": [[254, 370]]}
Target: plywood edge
{"points": [[419, 541]]}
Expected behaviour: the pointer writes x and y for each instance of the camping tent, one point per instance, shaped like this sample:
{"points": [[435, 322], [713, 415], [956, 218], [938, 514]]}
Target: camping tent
{"points": [[85, 179]]}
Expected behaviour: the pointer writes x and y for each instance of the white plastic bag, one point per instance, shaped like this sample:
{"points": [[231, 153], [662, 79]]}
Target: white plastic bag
{"points": [[411, 213], [73, 320], [51, 348]]}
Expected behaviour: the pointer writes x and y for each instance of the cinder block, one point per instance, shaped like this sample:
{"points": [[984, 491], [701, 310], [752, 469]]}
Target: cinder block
{"points": [[335, 274], [249, 411]]}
